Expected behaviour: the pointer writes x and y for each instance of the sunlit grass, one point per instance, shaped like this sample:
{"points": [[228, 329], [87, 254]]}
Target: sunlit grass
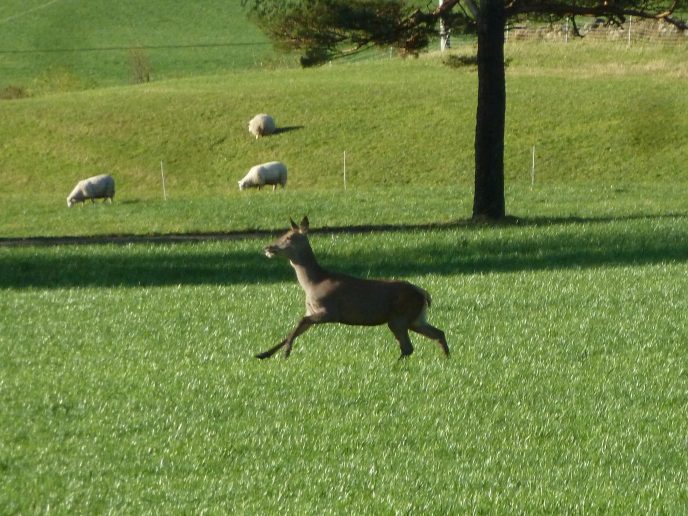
{"points": [[401, 141], [357, 206], [129, 383], [127, 377], [54, 46]]}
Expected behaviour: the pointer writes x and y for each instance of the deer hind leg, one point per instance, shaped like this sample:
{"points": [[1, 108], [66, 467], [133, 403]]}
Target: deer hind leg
{"points": [[400, 330], [429, 331]]}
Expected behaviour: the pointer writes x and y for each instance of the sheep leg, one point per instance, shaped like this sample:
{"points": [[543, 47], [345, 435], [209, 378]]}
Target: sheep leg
{"points": [[429, 331]]}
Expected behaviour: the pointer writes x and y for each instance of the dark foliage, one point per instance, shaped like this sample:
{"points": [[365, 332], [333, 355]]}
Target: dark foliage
{"points": [[326, 29], [12, 93]]}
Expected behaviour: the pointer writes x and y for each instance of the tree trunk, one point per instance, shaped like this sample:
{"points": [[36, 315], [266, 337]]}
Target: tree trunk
{"points": [[488, 200]]}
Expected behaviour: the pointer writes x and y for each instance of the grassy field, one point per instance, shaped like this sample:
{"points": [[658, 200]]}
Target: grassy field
{"points": [[65, 45], [127, 377], [399, 137], [567, 389]]}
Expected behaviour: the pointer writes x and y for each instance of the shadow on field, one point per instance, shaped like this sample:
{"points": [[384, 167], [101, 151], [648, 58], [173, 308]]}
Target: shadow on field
{"points": [[44, 265]]}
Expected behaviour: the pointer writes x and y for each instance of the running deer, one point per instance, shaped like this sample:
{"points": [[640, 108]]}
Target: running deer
{"points": [[333, 297]]}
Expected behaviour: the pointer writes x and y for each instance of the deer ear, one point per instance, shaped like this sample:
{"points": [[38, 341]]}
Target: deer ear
{"points": [[294, 225], [304, 225]]}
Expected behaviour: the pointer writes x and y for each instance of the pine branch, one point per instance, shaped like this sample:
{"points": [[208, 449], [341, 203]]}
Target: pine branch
{"points": [[616, 13]]}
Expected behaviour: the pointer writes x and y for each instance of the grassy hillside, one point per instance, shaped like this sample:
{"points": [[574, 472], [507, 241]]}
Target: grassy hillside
{"points": [[67, 44], [597, 126]]}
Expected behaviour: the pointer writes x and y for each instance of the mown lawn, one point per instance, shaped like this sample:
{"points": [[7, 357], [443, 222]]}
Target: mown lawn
{"points": [[129, 383]]}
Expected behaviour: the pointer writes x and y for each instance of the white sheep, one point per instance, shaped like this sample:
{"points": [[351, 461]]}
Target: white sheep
{"points": [[96, 187], [273, 173], [261, 125]]}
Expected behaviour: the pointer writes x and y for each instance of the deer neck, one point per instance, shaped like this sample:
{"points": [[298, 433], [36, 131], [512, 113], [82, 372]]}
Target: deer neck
{"points": [[308, 270]]}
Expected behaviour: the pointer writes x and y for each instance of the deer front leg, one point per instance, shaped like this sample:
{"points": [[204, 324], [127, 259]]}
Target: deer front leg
{"points": [[305, 323], [271, 351]]}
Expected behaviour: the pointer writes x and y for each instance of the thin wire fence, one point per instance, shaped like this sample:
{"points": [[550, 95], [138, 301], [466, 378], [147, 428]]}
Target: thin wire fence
{"points": [[632, 32]]}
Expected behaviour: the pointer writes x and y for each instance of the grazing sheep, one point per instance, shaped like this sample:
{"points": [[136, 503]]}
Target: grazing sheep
{"points": [[96, 187], [261, 125], [273, 173]]}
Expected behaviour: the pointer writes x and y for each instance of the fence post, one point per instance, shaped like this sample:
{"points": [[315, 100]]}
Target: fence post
{"points": [[630, 22], [162, 174]]}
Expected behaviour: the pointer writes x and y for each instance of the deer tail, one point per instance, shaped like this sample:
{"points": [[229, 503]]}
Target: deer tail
{"points": [[425, 294]]}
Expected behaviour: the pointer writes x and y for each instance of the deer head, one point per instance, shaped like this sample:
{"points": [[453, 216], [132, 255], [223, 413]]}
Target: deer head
{"points": [[292, 243]]}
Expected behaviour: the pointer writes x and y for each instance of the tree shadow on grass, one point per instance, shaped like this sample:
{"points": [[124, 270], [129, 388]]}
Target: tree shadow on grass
{"points": [[579, 243], [118, 266], [151, 265]]}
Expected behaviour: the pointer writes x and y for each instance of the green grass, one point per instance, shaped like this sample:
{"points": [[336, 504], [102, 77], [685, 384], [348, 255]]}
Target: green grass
{"points": [[127, 377], [399, 136], [68, 45], [128, 382], [397, 206]]}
